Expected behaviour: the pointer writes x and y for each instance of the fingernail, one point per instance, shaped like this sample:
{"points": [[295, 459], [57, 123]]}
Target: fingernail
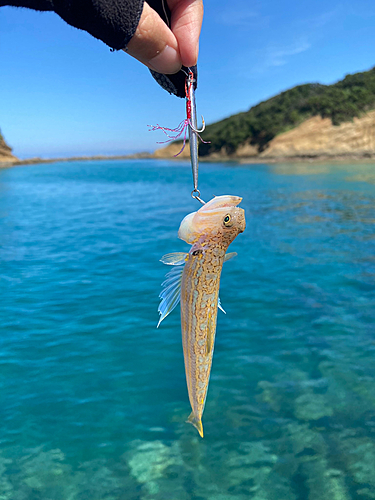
{"points": [[167, 61]]}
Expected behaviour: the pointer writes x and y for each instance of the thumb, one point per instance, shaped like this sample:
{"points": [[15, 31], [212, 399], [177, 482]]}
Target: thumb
{"points": [[154, 44]]}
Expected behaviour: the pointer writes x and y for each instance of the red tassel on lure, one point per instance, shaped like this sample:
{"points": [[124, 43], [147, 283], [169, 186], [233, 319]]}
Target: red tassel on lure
{"points": [[183, 127]]}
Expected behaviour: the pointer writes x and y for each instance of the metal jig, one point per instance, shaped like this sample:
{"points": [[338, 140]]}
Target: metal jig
{"points": [[191, 116], [188, 125]]}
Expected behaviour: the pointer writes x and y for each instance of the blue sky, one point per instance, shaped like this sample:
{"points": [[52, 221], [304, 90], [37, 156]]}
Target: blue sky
{"points": [[63, 93]]}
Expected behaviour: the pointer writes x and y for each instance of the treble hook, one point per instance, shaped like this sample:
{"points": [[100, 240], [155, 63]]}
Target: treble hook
{"points": [[197, 130], [189, 125]]}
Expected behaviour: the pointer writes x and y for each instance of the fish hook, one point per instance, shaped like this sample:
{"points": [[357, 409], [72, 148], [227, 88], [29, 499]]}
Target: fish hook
{"points": [[188, 126], [197, 130]]}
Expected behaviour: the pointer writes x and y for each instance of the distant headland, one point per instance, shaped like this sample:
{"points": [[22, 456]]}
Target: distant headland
{"points": [[308, 122]]}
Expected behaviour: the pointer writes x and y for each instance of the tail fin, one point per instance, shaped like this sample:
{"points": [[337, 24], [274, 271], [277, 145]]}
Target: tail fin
{"points": [[197, 422]]}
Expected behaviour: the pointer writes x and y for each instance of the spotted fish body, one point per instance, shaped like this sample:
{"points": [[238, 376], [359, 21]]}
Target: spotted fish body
{"points": [[199, 304], [210, 231]]}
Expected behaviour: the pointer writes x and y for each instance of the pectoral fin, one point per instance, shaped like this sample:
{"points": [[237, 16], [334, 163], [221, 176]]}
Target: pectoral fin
{"points": [[174, 259], [229, 256], [171, 292]]}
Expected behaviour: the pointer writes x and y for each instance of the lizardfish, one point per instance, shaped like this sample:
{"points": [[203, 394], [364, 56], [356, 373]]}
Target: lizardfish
{"points": [[195, 283]]}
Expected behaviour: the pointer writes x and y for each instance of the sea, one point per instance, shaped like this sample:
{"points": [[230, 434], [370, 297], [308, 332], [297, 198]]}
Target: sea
{"points": [[93, 398]]}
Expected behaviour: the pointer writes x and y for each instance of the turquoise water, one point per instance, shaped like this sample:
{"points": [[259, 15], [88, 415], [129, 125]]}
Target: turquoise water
{"points": [[93, 398]]}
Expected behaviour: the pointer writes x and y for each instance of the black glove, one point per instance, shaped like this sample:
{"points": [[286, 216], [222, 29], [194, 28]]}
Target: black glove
{"points": [[112, 21]]}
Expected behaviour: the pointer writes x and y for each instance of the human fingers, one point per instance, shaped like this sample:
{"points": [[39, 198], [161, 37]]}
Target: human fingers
{"points": [[186, 23], [154, 44]]}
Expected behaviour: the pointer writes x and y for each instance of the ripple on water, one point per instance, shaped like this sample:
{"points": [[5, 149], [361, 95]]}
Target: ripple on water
{"points": [[93, 397]]}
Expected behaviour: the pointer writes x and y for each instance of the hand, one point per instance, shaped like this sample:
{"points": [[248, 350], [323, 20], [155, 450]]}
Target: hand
{"points": [[165, 49]]}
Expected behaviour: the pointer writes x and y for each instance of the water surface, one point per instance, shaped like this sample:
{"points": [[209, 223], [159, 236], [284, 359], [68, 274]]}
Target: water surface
{"points": [[93, 398]]}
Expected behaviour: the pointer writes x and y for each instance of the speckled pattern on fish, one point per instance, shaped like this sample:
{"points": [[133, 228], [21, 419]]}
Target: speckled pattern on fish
{"points": [[210, 231]]}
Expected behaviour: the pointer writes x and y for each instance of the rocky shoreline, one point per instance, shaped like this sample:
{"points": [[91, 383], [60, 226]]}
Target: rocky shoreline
{"points": [[334, 158], [314, 140], [6, 163]]}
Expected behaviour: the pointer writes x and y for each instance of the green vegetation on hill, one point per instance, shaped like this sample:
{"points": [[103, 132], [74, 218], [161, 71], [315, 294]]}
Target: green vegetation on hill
{"points": [[341, 102]]}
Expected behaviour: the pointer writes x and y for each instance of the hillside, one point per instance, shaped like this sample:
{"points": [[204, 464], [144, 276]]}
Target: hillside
{"points": [[6, 156], [307, 121], [317, 138], [255, 130]]}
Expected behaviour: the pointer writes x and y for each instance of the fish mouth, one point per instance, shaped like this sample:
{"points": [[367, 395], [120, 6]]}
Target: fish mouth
{"points": [[242, 225]]}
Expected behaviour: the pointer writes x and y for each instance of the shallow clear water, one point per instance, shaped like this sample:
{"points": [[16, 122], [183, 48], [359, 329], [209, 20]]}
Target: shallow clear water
{"points": [[93, 398]]}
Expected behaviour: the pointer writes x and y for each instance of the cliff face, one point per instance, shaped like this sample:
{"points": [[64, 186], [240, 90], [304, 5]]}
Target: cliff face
{"points": [[314, 138], [351, 97], [6, 153], [171, 150], [318, 137]]}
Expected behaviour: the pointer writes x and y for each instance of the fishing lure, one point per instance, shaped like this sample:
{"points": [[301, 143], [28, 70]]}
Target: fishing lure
{"points": [[194, 282], [188, 126]]}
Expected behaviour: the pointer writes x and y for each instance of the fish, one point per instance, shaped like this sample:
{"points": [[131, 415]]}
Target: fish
{"points": [[194, 282]]}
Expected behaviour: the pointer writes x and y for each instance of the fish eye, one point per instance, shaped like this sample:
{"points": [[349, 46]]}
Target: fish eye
{"points": [[227, 221], [197, 252]]}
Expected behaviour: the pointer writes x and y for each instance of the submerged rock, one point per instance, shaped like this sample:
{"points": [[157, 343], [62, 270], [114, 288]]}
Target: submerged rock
{"points": [[359, 455], [158, 468], [312, 406], [322, 483]]}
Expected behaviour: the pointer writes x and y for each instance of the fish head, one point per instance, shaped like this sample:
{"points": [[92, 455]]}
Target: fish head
{"points": [[219, 218]]}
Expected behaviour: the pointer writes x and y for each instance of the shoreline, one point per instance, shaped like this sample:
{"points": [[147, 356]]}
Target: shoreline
{"points": [[37, 160], [322, 158]]}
